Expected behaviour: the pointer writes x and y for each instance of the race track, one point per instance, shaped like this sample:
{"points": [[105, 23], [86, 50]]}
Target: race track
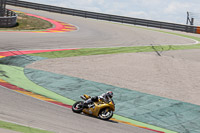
{"points": [[91, 33], [25, 110]]}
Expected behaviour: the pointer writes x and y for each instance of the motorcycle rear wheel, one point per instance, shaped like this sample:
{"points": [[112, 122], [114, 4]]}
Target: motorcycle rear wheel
{"points": [[77, 107], [105, 114]]}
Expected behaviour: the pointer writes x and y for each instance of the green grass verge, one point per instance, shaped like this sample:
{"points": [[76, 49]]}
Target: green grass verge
{"points": [[15, 75], [116, 50], [178, 34], [25, 22], [118, 117], [19, 128], [172, 33]]}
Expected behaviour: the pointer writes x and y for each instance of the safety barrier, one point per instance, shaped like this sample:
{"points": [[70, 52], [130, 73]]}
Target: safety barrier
{"points": [[102, 16], [9, 19]]}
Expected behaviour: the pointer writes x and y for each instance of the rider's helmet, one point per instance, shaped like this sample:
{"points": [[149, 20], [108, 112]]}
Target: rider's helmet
{"points": [[110, 94]]}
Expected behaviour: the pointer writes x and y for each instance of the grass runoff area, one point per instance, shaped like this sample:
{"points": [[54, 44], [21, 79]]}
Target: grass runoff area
{"points": [[94, 51], [117, 50], [25, 22], [19, 128]]}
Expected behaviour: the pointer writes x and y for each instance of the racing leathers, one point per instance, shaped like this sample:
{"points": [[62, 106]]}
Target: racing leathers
{"points": [[105, 97]]}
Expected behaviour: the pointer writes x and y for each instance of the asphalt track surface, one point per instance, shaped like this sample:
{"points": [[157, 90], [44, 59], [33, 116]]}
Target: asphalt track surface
{"points": [[7, 131], [91, 33], [25, 110]]}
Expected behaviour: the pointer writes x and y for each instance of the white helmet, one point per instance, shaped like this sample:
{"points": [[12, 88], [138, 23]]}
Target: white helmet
{"points": [[110, 94]]}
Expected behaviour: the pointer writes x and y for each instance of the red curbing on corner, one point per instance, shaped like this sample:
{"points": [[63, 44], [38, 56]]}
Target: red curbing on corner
{"points": [[58, 26], [14, 53], [43, 98], [23, 91]]}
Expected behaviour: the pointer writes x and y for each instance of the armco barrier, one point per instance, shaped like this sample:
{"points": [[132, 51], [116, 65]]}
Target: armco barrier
{"points": [[108, 17]]}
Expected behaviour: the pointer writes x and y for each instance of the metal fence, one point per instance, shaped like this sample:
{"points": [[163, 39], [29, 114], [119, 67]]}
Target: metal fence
{"points": [[102, 16], [9, 19]]}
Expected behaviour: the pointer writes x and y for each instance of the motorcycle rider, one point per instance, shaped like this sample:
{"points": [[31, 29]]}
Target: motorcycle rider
{"points": [[105, 97]]}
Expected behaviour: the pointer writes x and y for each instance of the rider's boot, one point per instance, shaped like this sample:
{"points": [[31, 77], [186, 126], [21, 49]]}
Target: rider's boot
{"points": [[85, 105]]}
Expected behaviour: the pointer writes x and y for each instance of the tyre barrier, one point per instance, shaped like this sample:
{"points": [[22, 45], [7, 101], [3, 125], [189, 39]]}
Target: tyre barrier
{"points": [[8, 20]]}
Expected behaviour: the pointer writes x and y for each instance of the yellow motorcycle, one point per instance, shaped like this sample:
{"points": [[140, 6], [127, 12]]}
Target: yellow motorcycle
{"points": [[100, 109]]}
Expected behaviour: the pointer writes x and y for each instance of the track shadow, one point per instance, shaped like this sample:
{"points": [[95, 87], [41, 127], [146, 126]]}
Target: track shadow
{"points": [[111, 121]]}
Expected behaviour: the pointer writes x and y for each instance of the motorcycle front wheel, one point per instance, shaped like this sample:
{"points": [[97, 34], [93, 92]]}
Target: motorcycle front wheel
{"points": [[77, 107], [105, 114]]}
